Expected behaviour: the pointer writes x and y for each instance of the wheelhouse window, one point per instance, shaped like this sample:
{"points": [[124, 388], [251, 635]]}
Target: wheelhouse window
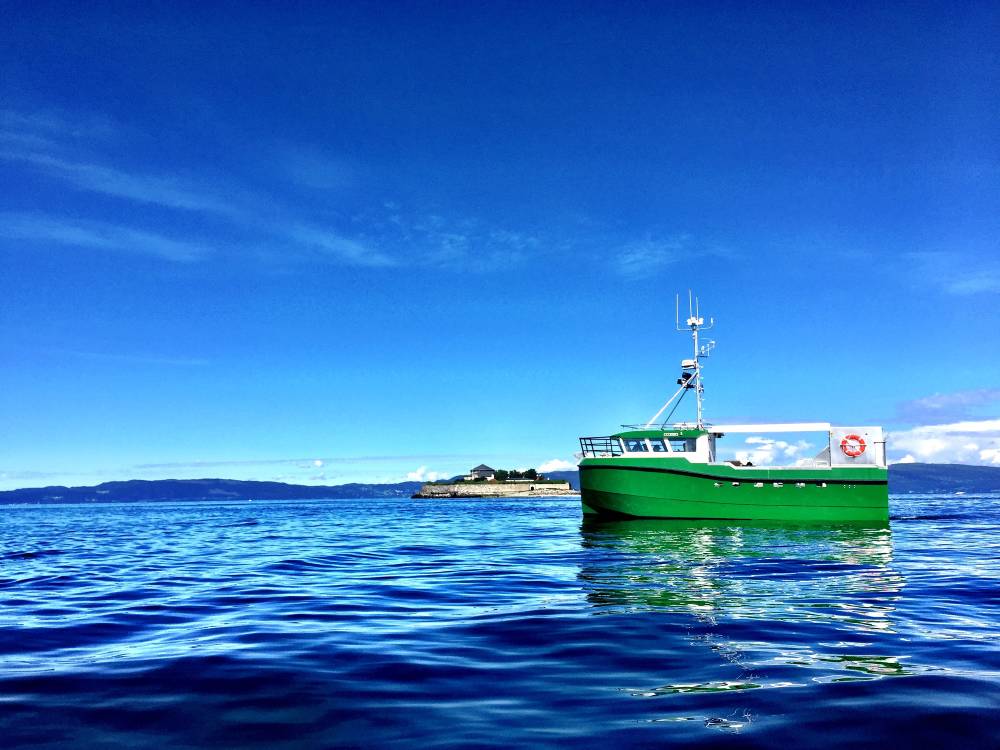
{"points": [[681, 445], [658, 446], [636, 445]]}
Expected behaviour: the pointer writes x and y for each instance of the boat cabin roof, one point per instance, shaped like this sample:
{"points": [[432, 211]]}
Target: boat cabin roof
{"points": [[660, 434]]}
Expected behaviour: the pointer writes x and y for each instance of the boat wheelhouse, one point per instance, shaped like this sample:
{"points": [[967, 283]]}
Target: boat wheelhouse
{"points": [[661, 470]]}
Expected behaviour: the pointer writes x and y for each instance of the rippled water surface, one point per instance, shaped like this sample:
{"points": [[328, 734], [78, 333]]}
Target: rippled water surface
{"points": [[460, 623]]}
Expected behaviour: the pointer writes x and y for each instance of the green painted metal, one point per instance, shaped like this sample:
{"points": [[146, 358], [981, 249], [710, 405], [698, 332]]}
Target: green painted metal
{"points": [[677, 488], [659, 433]]}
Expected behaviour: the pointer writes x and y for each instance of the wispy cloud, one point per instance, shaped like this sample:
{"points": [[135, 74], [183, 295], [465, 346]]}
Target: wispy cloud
{"points": [[33, 140], [650, 255], [956, 273], [15, 139], [99, 235], [169, 192], [309, 462], [430, 239], [301, 241], [52, 127], [381, 236], [943, 407], [30, 475], [987, 281], [131, 358], [314, 168], [351, 251]]}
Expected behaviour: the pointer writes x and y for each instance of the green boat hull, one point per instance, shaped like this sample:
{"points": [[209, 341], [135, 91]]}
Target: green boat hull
{"points": [[676, 488]]}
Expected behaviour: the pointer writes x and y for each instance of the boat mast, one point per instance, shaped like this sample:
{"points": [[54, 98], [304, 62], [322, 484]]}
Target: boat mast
{"points": [[690, 378], [691, 368]]}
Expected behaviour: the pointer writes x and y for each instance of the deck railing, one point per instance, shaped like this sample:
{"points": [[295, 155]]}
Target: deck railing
{"points": [[594, 447]]}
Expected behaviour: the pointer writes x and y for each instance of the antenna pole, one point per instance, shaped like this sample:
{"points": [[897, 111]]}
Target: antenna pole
{"points": [[695, 323]]}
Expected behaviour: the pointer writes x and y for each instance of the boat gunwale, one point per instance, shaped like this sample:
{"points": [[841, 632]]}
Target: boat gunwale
{"points": [[742, 480]]}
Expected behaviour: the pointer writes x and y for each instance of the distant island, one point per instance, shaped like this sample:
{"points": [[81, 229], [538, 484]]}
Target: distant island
{"points": [[903, 479], [484, 481]]}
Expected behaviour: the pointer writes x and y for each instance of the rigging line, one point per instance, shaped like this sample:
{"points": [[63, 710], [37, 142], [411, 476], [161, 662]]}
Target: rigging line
{"points": [[683, 394], [678, 392]]}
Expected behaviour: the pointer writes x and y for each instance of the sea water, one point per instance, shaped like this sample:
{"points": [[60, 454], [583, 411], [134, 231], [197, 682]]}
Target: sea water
{"points": [[484, 623]]}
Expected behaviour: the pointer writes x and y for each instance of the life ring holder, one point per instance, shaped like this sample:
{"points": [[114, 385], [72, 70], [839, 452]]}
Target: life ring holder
{"points": [[853, 445]]}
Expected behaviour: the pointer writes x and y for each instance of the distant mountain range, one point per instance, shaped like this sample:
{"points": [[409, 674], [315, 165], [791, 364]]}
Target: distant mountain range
{"points": [[903, 478], [926, 478], [202, 489]]}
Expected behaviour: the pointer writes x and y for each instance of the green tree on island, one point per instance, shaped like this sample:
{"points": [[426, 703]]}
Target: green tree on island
{"points": [[502, 475]]}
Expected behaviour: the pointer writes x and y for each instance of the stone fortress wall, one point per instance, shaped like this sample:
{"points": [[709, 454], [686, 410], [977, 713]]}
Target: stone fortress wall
{"points": [[517, 488]]}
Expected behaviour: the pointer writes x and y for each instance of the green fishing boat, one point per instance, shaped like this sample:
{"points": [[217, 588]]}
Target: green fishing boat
{"points": [[669, 470]]}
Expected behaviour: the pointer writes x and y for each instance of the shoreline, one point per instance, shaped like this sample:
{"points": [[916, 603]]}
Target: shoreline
{"points": [[496, 490]]}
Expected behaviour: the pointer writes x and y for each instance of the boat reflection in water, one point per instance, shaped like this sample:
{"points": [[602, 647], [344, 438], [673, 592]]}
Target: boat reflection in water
{"points": [[769, 605], [771, 571]]}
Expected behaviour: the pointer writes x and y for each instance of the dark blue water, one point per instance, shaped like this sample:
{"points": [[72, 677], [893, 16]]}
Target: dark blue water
{"points": [[483, 623]]}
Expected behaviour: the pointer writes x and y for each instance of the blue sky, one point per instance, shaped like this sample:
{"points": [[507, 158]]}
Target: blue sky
{"points": [[346, 242]]}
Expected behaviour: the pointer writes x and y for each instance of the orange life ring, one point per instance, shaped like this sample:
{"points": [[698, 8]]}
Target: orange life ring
{"points": [[853, 445]]}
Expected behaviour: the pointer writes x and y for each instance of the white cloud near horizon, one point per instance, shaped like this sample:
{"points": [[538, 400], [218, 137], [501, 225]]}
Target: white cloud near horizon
{"points": [[965, 442], [422, 474], [765, 451], [556, 464]]}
